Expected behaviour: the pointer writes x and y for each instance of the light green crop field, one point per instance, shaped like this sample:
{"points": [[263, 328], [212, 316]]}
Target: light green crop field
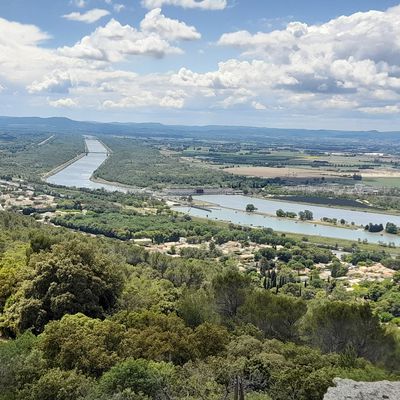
{"points": [[383, 182]]}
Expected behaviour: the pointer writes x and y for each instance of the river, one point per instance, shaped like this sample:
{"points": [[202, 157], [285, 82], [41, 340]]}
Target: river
{"points": [[229, 207], [80, 172], [271, 206]]}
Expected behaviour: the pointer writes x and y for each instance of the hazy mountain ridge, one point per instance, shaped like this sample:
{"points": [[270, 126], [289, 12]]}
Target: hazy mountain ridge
{"points": [[320, 140], [63, 122]]}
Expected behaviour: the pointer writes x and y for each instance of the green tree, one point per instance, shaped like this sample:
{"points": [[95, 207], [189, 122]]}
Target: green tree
{"points": [[392, 263], [276, 316], [198, 380], [58, 385], [143, 291], [21, 363], [250, 208], [230, 291], [73, 277], [160, 262], [141, 376], [306, 215], [185, 272], [335, 326], [338, 269], [13, 271], [78, 342], [156, 336], [196, 307], [391, 228], [284, 255], [374, 227], [41, 241], [280, 213], [389, 302], [268, 252], [210, 339]]}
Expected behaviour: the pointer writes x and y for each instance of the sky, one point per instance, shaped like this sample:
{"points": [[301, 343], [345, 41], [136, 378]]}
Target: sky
{"points": [[287, 64]]}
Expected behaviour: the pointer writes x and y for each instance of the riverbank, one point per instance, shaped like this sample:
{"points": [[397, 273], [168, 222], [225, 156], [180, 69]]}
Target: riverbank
{"points": [[270, 206], [61, 167], [118, 185], [109, 150], [319, 240], [211, 206], [369, 209], [287, 225]]}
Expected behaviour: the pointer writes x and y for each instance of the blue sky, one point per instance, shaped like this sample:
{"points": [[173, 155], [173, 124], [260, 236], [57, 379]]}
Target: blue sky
{"points": [[310, 64]]}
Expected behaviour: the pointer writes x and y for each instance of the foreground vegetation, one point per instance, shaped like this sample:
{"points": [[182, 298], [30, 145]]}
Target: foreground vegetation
{"points": [[95, 318]]}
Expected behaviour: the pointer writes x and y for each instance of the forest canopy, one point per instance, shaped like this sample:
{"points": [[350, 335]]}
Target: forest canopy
{"points": [[94, 318]]}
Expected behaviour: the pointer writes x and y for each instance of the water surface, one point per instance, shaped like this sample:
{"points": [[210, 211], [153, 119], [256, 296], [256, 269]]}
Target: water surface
{"points": [[290, 226], [79, 173], [271, 206]]}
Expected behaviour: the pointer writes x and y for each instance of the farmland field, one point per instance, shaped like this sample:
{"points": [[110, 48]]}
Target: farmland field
{"points": [[286, 172], [388, 182], [271, 172]]}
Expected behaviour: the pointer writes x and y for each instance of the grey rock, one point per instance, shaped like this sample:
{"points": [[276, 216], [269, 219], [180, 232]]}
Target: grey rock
{"points": [[347, 389]]}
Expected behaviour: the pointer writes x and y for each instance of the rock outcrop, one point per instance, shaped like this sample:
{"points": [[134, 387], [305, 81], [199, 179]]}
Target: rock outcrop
{"points": [[347, 389]]}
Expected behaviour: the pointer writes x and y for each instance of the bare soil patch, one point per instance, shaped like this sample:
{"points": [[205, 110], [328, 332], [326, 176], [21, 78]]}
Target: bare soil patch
{"points": [[287, 172], [380, 173]]}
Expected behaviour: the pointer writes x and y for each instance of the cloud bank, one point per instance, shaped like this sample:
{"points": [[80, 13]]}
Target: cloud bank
{"points": [[347, 66]]}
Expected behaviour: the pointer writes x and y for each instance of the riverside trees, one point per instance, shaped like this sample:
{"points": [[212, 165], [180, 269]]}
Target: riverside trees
{"points": [[306, 215], [250, 208]]}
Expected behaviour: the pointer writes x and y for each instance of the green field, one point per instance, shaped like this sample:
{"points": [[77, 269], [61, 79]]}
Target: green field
{"points": [[383, 182]]}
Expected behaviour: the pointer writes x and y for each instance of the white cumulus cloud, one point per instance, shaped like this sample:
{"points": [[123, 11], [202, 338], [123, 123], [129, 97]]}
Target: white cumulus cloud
{"points": [[79, 3], [201, 4], [113, 42], [20, 34], [21, 57], [88, 17], [63, 103], [344, 62], [347, 66], [167, 28], [118, 7], [258, 106]]}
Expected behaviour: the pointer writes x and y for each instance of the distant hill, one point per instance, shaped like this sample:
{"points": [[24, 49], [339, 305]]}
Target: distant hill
{"points": [[371, 140]]}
